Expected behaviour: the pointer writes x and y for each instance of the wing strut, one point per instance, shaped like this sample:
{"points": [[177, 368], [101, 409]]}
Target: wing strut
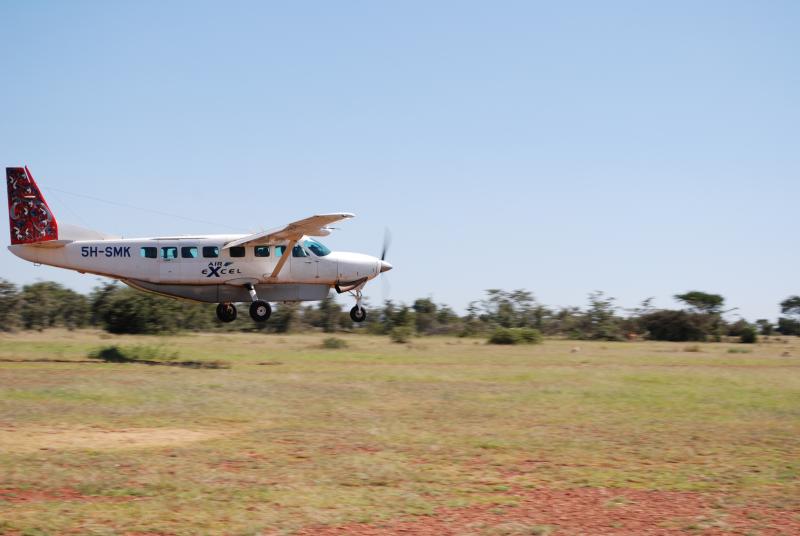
{"points": [[284, 258]]}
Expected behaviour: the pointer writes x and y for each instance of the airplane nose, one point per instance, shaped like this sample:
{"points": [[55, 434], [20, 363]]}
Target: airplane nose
{"points": [[385, 266]]}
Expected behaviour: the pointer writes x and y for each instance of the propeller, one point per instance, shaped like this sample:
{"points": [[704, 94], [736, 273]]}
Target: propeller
{"points": [[386, 285], [387, 241]]}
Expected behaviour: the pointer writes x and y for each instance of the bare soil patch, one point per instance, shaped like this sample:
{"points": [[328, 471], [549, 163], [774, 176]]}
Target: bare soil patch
{"points": [[595, 511]]}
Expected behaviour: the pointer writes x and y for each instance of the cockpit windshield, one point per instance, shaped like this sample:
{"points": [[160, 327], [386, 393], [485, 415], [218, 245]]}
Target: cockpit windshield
{"points": [[316, 247]]}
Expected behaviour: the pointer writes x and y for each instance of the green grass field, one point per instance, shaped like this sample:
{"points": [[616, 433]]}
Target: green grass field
{"points": [[296, 438]]}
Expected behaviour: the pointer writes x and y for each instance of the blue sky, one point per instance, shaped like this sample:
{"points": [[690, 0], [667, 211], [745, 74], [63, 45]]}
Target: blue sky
{"points": [[638, 148]]}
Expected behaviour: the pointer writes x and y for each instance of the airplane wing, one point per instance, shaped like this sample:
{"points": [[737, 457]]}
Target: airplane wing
{"points": [[313, 226]]}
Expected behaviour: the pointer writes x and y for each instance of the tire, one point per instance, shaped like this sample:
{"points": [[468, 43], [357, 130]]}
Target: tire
{"points": [[358, 314], [260, 311], [226, 312]]}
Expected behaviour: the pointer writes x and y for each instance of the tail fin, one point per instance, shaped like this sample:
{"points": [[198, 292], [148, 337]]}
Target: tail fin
{"points": [[30, 219]]}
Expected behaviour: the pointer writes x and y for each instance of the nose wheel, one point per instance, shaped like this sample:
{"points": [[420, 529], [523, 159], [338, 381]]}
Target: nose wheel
{"points": [[226, 312], [358, 313]]}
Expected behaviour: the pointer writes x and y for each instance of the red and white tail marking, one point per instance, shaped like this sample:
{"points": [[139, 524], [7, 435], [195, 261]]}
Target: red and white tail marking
{"points": [[30, 218]]}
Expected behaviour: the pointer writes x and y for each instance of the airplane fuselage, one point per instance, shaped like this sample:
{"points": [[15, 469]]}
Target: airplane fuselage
{"points": [[199, 268]]}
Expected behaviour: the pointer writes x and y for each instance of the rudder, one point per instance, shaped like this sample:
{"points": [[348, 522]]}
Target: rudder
{"points": [[30, 218]]}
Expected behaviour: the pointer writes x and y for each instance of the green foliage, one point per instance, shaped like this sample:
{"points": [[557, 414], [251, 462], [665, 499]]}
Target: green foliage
{"points": [[679, 326], [791, 306], [327, 315], [788, 326], [765, 327], [131, 311], [515, 336], [529, 335], [401, 334], [702, 302], [504, 336], [334, 343], [47, 304], [9, 306], [748, 335], [283, 318]]}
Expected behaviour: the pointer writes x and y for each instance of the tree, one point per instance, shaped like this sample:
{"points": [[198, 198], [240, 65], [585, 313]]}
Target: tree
{"points": [[788, 326], [9, 306], [791, 306], [765, 327], [47, 304], [135, 312], [425, 315], [702, 302], [329, 314], [600, 321], [678, 326]]}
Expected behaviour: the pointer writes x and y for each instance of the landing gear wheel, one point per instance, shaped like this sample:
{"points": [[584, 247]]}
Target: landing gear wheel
{"points": [[226, 312], [260, 311], [358, 314]]}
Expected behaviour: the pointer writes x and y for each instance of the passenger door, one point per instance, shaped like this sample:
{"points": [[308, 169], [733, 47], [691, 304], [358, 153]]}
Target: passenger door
{"points": [[169, 264]]}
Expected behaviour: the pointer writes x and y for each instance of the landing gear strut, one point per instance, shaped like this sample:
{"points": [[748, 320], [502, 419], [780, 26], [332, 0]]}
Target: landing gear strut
{"points": [[358, 313], [259, 309], [226, 312]]}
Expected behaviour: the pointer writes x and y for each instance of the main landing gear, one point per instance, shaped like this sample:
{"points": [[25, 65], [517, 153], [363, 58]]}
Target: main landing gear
{"points": [[226, 312], [358, 313], [259, 309]]}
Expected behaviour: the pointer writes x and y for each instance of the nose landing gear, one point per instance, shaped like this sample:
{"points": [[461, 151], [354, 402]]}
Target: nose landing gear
{"points": [[358, 313]]}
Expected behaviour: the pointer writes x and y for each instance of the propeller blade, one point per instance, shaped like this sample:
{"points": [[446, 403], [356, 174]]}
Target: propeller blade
{"points": [[387, 241]]}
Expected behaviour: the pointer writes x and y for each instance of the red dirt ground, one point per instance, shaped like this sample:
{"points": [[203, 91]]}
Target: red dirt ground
{"points": [[588, 511]]}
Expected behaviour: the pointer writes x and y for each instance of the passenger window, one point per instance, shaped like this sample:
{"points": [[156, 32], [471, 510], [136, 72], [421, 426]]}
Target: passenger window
{"points": [[169, 253], [189, 252], [261, 251], [298, 251], [237, 251], [149, 253], [210, 252], [279, 250]]}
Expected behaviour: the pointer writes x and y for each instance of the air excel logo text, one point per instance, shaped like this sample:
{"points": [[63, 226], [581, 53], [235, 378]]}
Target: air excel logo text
{"points": [[219, 268]]}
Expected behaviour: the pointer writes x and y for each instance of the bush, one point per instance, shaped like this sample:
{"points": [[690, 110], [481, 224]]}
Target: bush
{"points": [[401, 334], [504, 336], [530, 335], [334, 343], [678, 326], [748, 335], [515, 336]]}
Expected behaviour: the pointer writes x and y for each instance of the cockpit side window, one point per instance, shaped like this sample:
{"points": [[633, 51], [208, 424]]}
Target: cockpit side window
{"points": [[316, 248], [298, 251]]}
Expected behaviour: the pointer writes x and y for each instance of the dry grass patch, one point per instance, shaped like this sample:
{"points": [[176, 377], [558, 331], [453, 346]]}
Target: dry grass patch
{"points": [[29, 438]]}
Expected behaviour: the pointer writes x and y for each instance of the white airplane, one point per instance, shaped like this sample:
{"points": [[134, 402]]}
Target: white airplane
{"points": [[283, 265]]}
